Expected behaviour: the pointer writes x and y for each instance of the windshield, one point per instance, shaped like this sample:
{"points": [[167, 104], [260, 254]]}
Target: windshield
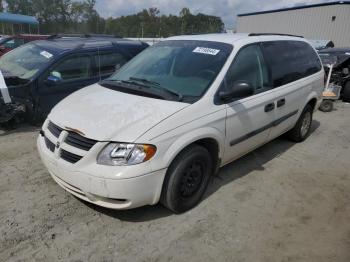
{"points": [[328, 59], [25, 61], [185, 69], [335, 58]]}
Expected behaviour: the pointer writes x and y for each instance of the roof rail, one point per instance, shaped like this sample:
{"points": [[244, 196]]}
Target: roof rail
{"points": [[260, 34], [56, 36], [103, 35]]}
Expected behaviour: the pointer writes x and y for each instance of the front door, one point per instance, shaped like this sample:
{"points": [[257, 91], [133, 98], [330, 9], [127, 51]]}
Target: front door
{"points": [[249, 119], [63, 78]]}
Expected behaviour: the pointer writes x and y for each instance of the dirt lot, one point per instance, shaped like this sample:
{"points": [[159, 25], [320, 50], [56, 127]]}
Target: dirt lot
{"points": [[283, 202]]}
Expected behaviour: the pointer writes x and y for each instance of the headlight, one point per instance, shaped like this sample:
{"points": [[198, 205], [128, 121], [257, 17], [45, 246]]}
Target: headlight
{"points": [[119, 154]]}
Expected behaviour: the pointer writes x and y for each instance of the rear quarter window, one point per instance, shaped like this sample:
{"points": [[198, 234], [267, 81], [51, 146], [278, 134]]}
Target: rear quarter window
{"points": [[290, 61]]}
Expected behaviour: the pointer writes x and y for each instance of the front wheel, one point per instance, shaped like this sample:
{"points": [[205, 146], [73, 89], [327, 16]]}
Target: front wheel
{"points": [[186, 179], [302, 128]]}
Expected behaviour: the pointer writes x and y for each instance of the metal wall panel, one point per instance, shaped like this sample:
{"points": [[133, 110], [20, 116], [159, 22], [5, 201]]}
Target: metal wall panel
{"points": [[312, 23]]}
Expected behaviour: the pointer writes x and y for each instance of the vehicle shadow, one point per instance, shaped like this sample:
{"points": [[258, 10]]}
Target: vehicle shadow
{"points": [[141, 214], [229, 173], [20, 128]]}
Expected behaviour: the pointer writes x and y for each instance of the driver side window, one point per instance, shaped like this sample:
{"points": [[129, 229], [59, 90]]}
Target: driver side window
{"points": [[249, 66], [72, 68]]}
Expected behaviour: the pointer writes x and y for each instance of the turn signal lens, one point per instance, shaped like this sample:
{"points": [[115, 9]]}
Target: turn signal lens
{"points": [[150, 151]]}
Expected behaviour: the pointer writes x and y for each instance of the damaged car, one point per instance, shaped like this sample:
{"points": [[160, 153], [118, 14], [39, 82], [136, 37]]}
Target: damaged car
{"points": [[338, 60], [36, 76]]}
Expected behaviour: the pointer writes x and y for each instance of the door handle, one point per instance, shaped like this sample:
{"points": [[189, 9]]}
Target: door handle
{"points": [[281, 102], [269, 107]]}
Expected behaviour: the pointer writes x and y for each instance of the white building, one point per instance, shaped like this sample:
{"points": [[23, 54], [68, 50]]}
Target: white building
{"points": [[329, 21]]}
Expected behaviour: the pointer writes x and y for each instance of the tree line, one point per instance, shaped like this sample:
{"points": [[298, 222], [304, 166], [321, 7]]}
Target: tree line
{"points": [[78, 17]]}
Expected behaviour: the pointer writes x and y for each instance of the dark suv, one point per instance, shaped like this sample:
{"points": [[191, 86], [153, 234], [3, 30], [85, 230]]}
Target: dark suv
{"points": [[40, 74]]}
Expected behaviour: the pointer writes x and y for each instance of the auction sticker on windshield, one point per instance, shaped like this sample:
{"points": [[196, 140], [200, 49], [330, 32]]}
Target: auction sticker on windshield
{"points": [[46, 54], [205, 50]]}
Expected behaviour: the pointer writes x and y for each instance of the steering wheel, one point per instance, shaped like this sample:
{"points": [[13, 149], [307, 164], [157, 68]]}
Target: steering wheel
{"points": [[206, 73]]}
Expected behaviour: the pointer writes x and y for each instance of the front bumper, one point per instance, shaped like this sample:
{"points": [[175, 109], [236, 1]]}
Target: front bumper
{"points": [[115, 193], [10, 111]]}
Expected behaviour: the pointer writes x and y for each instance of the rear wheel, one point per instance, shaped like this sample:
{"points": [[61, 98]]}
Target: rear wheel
{"points": [[346, 92], [186, 179], [301, 130], [326, 106]]}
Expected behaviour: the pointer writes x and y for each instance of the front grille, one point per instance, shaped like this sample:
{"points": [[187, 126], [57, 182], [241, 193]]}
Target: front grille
{"points": [[55, 130], [70, 157], [49, 145], [79, 141], [70, 138]]}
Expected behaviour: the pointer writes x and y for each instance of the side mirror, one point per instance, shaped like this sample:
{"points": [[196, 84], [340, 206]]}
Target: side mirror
{"points": [[240, 89], [52, 80]]}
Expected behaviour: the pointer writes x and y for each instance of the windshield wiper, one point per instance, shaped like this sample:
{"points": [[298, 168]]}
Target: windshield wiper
{"points": [[132, 87], [158, 86], [144, 80], [144, 83], [126, 82]]}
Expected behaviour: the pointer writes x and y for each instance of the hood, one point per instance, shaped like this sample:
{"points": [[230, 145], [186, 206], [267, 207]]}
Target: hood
{"points": [[108, 115], [338, 59], [13, 80]]}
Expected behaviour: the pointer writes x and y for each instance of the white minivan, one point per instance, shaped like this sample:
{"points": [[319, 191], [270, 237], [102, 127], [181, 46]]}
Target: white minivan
{"points": [[161, 126]]}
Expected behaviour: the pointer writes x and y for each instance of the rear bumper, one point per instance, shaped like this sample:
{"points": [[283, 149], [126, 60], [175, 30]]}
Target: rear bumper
{"points": [[144, 189]]}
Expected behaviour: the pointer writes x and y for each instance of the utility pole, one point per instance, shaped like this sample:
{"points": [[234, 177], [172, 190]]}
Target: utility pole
{"points": [[98, 18], [141, 29], [182, 25]]}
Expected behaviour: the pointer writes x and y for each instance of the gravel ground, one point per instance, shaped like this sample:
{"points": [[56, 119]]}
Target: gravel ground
{"points": [[283, 202]]}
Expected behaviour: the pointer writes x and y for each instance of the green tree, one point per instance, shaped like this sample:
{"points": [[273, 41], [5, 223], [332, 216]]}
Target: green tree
{"points": [[80, 16], [24, 7]]}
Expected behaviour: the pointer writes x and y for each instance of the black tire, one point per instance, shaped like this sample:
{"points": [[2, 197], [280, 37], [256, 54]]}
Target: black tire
{"points": [[300, 132], [187, 179], [326, 106], [346, 92]]}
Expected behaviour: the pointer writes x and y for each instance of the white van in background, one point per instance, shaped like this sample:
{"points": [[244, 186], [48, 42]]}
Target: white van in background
{"points": [[166, 121]]}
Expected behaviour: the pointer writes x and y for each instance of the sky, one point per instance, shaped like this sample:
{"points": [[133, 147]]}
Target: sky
{"points": [[226, 9]]}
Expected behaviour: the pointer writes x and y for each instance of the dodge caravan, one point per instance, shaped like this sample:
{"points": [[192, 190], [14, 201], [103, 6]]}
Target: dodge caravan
{"points": [[160, 127]]}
